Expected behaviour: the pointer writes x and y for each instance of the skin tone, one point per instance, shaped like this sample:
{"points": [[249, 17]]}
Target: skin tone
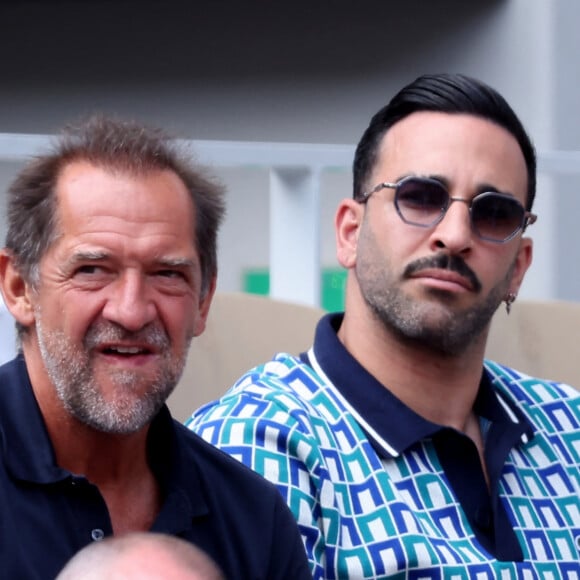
{"points": [[141, 556], [117, 303], [398, 325]]}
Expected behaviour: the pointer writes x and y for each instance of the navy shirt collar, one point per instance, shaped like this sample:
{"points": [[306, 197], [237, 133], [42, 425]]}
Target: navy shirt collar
{"points": [[390, 424], [29, 454]]}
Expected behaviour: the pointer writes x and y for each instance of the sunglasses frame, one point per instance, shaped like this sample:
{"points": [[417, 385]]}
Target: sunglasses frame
{"points": [[528, 218]]}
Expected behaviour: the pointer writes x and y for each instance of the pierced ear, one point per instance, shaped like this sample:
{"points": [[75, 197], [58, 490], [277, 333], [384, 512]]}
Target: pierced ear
{"points": [[522, 263], [16, 291], [347, 223], [204, 304]]}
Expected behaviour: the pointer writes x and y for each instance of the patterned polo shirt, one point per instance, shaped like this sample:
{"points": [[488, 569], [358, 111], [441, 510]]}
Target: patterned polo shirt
{"points": [[380, 492]]}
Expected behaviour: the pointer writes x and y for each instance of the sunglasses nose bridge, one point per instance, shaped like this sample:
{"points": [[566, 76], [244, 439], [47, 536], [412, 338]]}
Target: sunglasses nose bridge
{"points": [[450, 201], [467, 202], [453, 229]]}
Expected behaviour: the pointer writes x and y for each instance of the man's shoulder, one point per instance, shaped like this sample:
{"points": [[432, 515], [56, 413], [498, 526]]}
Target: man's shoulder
{"points": [[16, 398], [10, 370], [284, 374], [285, 384], [521, 384], [279, 367], [217, 467], [534, 396]]}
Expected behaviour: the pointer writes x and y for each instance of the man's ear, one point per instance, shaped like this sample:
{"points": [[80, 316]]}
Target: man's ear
{"points": [[347, 222], [16, 291], [521, 264], [204, 304]]}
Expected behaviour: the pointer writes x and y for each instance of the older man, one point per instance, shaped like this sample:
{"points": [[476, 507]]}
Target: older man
{"points": [[401, 452], [109, 270]]}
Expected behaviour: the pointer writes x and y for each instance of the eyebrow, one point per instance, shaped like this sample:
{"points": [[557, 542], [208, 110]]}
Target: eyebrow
{"points": [[88, 256], [175, 262], [99, 256], [481, 188]]}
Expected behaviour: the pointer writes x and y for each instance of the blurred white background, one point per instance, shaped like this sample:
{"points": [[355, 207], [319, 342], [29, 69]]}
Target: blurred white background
{"points": [[298, 72]]}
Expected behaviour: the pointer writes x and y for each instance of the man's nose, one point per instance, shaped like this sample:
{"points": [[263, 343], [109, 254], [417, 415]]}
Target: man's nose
{"points": [[129, 304], [454, 231]]}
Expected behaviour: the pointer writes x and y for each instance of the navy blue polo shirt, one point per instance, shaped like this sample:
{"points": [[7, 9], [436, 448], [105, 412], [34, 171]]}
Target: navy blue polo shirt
{"points": [[210, 499], [502, 427]]}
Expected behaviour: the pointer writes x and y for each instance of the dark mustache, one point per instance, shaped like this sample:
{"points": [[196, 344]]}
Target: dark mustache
{"points": [[445, 262]]}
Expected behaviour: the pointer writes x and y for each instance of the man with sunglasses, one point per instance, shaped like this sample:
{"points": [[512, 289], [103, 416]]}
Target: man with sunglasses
{"points": [[400, 450]]}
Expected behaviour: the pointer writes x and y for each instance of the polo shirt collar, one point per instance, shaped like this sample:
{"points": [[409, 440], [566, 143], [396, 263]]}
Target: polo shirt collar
{"points": [[175, 468], [29, 455], [390, 424], [28, 452]]}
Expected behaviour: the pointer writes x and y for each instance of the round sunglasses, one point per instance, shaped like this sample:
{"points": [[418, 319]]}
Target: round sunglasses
{"points": [[419, 201]]}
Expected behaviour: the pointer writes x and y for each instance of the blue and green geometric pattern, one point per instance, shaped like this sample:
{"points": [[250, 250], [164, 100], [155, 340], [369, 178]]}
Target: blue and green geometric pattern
{"points": [[366, 516]]}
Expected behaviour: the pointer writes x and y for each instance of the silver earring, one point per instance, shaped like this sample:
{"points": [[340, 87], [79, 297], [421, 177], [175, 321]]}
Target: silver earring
{"points": [[509, 300]]}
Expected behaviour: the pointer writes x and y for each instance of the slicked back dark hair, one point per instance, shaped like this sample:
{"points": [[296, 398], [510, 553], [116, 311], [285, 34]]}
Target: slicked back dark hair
{"points": [[118, 146], [444, 93]]}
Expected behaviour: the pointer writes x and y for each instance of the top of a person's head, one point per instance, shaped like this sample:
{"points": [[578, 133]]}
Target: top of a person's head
{"points": [[124, 147], [141, 556], [444, 93]]}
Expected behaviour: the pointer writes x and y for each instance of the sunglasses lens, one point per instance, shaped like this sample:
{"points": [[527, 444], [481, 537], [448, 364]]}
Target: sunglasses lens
{"points": [[421, 202], [496, 217]]}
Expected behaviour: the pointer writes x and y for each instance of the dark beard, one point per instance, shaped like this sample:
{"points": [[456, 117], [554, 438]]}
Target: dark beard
{"points": [[450, 335], [429, 323]]}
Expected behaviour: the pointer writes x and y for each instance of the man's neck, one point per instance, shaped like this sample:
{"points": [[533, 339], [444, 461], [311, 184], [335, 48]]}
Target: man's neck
{"points": [[79, 448], [116, 464]]}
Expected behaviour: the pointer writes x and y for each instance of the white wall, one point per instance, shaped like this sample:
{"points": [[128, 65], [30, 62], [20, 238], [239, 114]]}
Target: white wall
{"points": [[310, 72]]}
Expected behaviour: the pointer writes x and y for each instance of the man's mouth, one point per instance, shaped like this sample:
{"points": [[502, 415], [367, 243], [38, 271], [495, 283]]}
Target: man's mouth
{"points": [[445, 277], [125, 350], [445, 268]]}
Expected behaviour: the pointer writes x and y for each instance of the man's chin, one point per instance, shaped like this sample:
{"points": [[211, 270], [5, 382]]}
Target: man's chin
{"points": [[121, 417], [139, 381]]}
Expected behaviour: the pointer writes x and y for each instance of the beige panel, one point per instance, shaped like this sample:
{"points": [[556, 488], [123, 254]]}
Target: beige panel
{"points": [[243, 331], [539, 338]]}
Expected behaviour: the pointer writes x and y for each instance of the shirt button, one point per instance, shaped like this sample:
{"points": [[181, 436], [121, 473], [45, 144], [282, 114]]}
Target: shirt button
{"points": [[97, 534]]}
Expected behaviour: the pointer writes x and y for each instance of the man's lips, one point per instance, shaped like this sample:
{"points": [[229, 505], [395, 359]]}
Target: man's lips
{"points": [[127, 350], [446, 277], [127, 356], [115, 343], [446, 271]]}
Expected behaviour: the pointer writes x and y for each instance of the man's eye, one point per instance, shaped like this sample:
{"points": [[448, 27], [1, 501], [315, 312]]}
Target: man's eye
{"points": [[177, 274], [88, 270]]}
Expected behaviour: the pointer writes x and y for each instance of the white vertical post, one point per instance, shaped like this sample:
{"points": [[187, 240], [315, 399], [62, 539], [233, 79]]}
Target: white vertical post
{"points": [[294, 234]]}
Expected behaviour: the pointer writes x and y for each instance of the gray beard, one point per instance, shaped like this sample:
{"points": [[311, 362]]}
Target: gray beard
{"points": [[71, 372]]}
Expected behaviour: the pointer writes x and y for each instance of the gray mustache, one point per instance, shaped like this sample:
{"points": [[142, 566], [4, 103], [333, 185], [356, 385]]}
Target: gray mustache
{"points": [[152, 336]]}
